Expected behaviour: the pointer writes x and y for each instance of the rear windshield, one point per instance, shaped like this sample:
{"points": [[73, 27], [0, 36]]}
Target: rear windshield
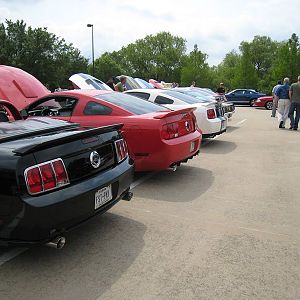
{"points": [[132, 104], [183, 97], [197, 95]]}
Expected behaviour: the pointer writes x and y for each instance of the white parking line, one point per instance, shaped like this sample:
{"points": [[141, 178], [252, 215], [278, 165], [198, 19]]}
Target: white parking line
{"points": [[7, 256], [241, 122], [142, 179]]}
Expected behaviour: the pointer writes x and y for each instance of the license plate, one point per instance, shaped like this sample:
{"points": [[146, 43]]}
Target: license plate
{"points": [[102, 196], [193, 146]]}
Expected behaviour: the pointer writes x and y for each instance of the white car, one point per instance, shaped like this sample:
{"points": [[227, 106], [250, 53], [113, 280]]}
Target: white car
{"points": [[209, 115], [87, 82]]}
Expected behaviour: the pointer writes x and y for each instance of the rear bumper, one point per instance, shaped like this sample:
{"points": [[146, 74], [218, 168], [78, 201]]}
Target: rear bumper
{"points": [[170, 152], [44, 217]]}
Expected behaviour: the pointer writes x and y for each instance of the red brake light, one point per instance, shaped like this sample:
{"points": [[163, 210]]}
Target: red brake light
{"points": [[121, 149], [211, 113], [34, 181], [46, 176], [60, 172]]}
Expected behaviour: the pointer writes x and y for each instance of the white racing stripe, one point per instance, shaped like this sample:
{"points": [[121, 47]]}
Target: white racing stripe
{"points": [[7, 256]]}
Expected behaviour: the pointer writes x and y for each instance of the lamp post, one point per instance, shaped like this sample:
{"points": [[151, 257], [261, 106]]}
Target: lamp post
{"points": [[93, 58]]}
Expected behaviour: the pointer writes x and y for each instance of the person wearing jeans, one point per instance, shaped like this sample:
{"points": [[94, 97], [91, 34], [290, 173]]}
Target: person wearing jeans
{"points": [[294, 94], [283, 103], [275, 98]]}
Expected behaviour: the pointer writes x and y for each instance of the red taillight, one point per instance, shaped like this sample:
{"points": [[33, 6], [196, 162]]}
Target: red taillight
{"points": [[211, 113], [121, 149], [46, 176], [60, 172], [170, 131], [34, 180]]}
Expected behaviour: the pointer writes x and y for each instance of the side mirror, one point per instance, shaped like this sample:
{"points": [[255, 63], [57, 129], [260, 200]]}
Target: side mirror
{"points": [[232, 94]]}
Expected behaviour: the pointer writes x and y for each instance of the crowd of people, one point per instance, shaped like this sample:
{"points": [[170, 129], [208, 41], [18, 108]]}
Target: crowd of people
{"points": [[286, 100]]}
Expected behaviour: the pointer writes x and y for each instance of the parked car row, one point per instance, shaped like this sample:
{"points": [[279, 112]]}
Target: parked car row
{"points": [[67, 156]]}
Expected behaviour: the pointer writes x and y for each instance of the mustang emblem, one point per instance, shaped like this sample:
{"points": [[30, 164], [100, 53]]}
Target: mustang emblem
{"points": [[95, 159]]}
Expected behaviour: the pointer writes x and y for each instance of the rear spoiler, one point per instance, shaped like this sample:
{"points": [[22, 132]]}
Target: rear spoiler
{"points": [[76, 135], [164, 115]]}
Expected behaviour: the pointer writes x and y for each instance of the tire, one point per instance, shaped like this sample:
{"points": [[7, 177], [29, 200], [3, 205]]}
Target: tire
{"points": [[269, 105], [251, 103]]}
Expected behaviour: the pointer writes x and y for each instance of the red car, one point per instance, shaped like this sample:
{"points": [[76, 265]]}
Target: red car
{"points": [[266, 101], [157, 138], [19, 87]]}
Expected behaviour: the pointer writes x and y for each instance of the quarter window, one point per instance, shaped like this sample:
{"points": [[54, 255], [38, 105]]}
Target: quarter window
{"points": [[95, 109], [144, 96], [163, 100]]}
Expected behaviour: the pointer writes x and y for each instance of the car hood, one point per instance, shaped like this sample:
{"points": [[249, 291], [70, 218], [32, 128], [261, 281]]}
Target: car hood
{"points": [[19, 87], [87, 82]]}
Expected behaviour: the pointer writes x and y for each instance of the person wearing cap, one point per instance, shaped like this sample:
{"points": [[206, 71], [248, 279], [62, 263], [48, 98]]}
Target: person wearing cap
{"points": [[221, 89], [120, 86], [295, 104], [284, 102]]}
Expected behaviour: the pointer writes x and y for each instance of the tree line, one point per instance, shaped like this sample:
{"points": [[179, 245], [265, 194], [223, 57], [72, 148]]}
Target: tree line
{"points": [[257, 64]]}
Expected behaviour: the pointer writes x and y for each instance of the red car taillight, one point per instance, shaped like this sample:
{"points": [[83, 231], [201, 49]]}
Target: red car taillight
{"points": [[211, 113], [121, 149], [46, 176], [170, 131]]}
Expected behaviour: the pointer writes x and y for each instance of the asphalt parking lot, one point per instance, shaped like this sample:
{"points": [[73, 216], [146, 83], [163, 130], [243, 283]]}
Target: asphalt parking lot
{"points": [[224, 226]]}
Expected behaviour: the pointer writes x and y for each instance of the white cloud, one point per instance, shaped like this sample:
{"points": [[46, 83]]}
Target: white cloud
{"points": [[216, 26]]}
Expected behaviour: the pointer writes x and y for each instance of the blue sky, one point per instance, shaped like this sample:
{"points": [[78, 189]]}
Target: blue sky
{"points": [[216, 26]]}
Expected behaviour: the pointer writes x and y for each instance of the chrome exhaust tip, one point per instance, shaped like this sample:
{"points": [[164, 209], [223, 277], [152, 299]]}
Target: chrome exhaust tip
{"points": [[57, 243]]}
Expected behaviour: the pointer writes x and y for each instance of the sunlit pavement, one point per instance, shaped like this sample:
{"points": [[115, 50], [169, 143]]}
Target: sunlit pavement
{"points": [[223, 226]]}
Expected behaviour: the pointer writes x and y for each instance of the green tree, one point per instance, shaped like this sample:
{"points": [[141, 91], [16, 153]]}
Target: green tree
{"points": [[196, 68], [42, 54]]}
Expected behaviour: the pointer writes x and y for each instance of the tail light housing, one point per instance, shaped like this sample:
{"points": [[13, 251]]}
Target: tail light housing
{"points": [[211, 114], [46, 176], [121, 149], [177, 129]]}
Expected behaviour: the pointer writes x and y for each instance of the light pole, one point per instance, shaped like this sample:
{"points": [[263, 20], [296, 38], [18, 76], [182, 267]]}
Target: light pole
{"points": [[93, 58]]}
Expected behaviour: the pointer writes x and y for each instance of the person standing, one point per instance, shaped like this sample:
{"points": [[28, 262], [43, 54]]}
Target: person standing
{"points": [[221, 89], [283, 102], [294, 94], [120, 86], [275, 98]]}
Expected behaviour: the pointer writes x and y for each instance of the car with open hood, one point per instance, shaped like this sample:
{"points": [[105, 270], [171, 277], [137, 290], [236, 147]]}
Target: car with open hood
{"points": [[54, 176], [205, 112]]}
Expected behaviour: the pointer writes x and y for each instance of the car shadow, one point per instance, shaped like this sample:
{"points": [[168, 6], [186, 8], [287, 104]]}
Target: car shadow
{"points": [[94, 258], [218, 147], [179, 186]]}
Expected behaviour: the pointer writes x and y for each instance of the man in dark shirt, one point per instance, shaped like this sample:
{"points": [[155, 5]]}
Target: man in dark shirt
{"points": [[221, 89], [284, 102], [295, 105]]}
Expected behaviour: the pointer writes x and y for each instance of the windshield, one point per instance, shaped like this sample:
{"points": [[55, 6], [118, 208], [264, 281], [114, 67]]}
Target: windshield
{"points": [[132, 104], [97, 84], [183, 97], [197, 95]]}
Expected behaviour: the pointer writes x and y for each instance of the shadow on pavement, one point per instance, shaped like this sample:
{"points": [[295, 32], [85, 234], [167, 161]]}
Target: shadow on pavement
{"points": [[179, 186], [94, 258], [218, 147]]}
